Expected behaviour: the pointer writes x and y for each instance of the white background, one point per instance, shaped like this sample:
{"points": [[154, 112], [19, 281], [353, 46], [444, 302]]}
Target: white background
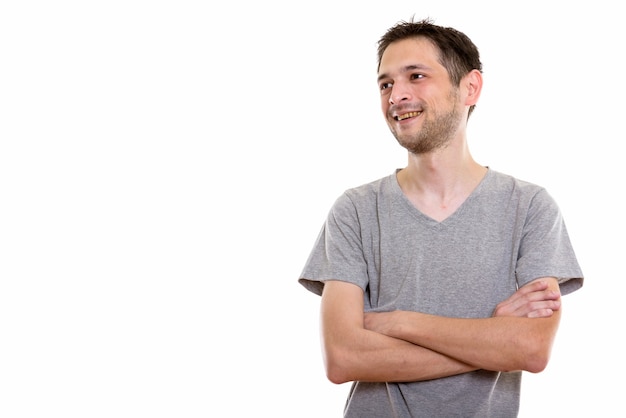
{"points": [[165, 167]]}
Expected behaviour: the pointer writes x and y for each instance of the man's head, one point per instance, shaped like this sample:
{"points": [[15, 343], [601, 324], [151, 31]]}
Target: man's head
{"points": [[430, 80], [457, 52]]}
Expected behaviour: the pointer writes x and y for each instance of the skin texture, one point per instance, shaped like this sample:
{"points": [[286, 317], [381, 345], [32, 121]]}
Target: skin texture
{"points": [[405, 346], [441, 118], [428, 116]]}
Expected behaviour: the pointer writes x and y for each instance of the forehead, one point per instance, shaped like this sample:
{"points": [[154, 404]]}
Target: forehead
{"points": [[411, 52]]}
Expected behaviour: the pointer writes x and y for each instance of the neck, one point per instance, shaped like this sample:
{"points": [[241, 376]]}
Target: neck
{"points": [[438, 183], [443, 169]]}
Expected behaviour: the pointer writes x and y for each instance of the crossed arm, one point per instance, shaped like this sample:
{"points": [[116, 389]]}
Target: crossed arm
{"points": [[403, 346]]}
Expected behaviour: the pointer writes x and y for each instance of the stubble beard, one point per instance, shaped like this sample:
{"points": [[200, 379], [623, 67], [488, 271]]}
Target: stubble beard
{"points": [[436, 132]]}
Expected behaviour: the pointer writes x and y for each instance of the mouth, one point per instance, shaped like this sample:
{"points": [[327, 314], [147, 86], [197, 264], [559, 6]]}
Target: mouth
{"points": [[407, 115]]}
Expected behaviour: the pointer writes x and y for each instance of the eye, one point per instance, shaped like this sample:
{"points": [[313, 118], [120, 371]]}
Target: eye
{"points": [[385, 86], [416, 76]]}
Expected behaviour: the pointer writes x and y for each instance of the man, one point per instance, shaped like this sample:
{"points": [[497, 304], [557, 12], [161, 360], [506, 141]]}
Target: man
{"points": [[442, 282]]}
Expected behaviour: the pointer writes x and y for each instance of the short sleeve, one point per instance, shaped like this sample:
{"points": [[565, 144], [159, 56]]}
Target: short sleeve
{"points": [[546, 249], [338, 250]]}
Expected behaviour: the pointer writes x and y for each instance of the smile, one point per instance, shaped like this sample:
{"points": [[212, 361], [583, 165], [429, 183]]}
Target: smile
{"points": [[407, 115]]}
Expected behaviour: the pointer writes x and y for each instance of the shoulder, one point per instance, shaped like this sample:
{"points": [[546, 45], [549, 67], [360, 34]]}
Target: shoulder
{"points": [[526, 196], [504, 180], [368, 192], [506, 183], [363, 201]]}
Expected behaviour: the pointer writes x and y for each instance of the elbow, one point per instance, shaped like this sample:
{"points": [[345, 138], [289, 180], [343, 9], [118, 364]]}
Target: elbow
{"points": [[528, 362], [537, 363], [537, 355], [534, 346], [336, 375], [337, 367]]}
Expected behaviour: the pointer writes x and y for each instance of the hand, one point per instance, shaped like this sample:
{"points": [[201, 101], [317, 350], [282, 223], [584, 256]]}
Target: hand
{"points": [[534, 300], [381, 322]]}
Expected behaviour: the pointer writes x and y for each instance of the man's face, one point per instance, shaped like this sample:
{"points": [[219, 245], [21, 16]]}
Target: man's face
{"points": [[421, 106]]}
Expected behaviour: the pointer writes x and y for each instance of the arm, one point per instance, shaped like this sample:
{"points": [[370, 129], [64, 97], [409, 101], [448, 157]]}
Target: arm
{"points": [[352, 352], [518, 336]]}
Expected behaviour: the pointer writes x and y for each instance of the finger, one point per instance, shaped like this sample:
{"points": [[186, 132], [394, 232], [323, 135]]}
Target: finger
{"points": [[541, 313], [523, 305], [524, 290], [519, 299], [537, 306]]}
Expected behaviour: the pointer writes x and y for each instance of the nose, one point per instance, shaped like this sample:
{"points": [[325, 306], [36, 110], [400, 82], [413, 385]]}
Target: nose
{"points": [[398, 94]]}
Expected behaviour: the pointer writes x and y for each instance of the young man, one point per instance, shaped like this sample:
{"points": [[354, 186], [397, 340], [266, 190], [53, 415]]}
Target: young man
{"points": [[442, 282]]}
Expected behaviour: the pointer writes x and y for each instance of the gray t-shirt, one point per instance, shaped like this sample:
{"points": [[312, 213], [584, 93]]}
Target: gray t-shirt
{"points": [[507, 233]]}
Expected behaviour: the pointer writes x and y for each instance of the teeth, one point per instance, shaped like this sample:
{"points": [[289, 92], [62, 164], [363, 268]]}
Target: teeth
{"points": [[407, 115]]}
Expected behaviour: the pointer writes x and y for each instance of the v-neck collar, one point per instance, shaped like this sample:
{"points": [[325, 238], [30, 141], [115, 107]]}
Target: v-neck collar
{"points": [[425, 218]]}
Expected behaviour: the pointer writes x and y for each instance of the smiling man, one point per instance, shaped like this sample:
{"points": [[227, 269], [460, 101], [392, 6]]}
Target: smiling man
{"points": [[442, 282]]}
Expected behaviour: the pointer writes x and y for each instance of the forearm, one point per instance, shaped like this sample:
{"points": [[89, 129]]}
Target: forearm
{"points": [[369, 356], [351, 352], [519, 336], [499, 343]]}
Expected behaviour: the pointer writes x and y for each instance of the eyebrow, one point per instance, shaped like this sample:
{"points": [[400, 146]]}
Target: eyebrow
{"points": [[405, 69]]}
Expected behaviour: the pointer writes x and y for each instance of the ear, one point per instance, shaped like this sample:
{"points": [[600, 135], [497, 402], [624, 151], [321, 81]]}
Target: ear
{"points": [[473, 82]]}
